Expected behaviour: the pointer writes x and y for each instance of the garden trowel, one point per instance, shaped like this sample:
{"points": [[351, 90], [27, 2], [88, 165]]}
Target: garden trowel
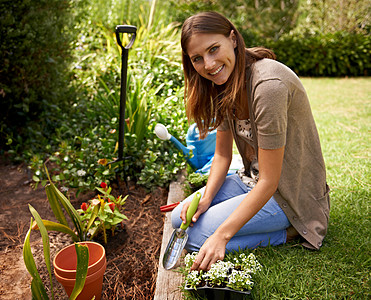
{"points": [[179, 237]]}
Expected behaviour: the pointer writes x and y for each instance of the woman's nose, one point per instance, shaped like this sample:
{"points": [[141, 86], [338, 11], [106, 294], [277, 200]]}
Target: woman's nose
{"points": [[209, 63]]}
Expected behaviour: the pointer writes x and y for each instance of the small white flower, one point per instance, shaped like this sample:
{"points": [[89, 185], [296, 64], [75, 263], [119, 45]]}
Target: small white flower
{"points": [[64, 189], [81, 173]]}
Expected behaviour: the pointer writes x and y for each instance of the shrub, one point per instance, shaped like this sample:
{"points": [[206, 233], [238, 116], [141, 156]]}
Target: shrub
{"points": [[332, 54], [34, 57]]}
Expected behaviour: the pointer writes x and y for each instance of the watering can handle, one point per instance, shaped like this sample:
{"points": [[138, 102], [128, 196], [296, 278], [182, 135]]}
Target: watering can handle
{"points": [[126, 29]]}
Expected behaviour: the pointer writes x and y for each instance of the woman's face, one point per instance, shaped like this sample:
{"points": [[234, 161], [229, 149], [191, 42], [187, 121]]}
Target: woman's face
{"points": [[212, 55]]}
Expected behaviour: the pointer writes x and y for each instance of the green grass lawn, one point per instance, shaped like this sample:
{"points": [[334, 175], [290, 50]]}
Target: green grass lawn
{"points": [[341, 269]]}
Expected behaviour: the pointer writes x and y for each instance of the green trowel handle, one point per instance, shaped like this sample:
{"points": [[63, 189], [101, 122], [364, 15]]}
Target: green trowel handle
{"points": [[191, 210]]}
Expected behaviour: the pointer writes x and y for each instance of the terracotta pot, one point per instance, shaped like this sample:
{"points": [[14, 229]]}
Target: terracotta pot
{"points": [[65, 270], [65, 261]]}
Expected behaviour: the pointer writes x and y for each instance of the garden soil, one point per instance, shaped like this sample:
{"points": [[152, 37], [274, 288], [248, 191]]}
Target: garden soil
{"points": [[132, 254]]}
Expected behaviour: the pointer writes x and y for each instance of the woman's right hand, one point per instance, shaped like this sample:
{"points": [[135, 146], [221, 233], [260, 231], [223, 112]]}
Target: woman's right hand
{"points": [[219, 169], [202, 207]]}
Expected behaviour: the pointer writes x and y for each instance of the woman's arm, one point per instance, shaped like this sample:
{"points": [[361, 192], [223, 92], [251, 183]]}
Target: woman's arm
{"points": [[270, 165], [219, 169]]}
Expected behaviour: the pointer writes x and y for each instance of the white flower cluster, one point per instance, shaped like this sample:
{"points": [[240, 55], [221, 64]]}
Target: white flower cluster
{"points": [[248, 263], [195, 278], [81, 173], [240, 280], [189, 259], [235, 275], [218, 272]]}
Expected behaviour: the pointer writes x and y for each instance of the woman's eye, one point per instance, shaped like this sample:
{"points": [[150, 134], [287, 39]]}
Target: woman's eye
{"points": [[196, 59], [213, 49]]}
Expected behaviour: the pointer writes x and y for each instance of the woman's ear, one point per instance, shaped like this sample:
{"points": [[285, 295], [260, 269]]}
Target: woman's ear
{"points": [[232, 36]]}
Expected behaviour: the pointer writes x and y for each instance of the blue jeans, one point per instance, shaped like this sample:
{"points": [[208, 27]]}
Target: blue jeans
{"points": [[268, 226]]}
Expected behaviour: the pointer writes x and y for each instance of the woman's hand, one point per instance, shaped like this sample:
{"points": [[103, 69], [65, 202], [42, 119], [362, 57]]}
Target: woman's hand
{"points": [[211, 251], [202, 207]]}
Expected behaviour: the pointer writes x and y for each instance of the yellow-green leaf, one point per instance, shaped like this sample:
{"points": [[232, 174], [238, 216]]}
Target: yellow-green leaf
{"points": [[53, 226], [82, 252], [37, 286], [46, 244]]}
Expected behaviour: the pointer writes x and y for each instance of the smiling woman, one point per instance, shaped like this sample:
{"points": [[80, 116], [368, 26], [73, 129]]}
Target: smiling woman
{"points": [[261, 105]]}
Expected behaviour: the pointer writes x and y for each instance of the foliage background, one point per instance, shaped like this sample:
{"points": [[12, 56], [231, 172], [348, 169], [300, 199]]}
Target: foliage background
{"points": [[60, 76]]}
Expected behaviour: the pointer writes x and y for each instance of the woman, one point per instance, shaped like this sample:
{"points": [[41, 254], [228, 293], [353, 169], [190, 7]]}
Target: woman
{"points": [[260, 104]]}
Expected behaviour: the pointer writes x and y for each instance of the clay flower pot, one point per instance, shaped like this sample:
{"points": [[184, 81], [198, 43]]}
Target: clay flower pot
{"points": [[65, 263]]}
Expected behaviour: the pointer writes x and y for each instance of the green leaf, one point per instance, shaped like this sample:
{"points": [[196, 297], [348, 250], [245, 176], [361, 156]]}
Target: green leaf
{"points": [[37, 286], [120, 215], [53, 226], [46, 244], [93, 216], [122, 202], [75, 217], [82, 252], [36, 291], [115, 221], [55, 205]]}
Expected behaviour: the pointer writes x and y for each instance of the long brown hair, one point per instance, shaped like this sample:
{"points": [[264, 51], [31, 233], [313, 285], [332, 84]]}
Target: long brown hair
{"points": [[207, 104]]}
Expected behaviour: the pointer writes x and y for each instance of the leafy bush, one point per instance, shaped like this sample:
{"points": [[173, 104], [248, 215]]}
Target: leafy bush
{"points": [[86, 139], [332, 54], [34, 60]]}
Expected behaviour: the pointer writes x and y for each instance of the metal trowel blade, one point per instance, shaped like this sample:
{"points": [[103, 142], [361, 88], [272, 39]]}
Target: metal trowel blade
{"points": [[174, 248]]}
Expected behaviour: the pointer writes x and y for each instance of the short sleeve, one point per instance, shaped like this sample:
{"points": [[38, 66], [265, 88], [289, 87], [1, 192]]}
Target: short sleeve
{"points": [[270, 102]]}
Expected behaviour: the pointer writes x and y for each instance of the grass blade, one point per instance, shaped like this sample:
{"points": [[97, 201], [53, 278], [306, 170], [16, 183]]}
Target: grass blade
{"points": [[35, 290], [82, 252]]}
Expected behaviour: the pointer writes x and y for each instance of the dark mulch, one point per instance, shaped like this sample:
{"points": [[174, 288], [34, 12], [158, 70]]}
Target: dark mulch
{"points": [[132, 254]]}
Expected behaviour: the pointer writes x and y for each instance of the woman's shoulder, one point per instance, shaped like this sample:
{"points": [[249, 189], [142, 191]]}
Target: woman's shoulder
{"points": [[269, 69]]}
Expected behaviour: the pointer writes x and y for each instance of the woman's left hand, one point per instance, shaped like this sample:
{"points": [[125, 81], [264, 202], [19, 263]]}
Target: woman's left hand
{"points": [[211, 251]]}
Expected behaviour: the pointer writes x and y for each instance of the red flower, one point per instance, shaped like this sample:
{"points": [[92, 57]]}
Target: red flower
{"points": [[112, 206], [84, 206], [103, 185]]}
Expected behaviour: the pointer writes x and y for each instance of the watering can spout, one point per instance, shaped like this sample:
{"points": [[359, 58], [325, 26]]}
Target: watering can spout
{"points": [[190, 151]]}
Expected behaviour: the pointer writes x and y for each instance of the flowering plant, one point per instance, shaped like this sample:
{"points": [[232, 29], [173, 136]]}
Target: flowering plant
{"points": [[106, 211], [102, 213], [234, 272]]}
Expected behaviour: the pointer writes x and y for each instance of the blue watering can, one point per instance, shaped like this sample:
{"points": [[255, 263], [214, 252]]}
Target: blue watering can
{"points": [[198, 152]]}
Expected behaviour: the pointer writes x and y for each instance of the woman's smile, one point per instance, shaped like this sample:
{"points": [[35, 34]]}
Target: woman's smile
{"points": [[213, 56], [217, 71]]}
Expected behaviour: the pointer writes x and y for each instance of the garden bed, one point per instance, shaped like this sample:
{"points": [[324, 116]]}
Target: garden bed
{"points": [[132, 255]]}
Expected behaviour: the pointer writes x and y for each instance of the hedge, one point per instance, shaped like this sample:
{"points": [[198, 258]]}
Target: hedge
{"points": [[333, 55], [35, 45]]}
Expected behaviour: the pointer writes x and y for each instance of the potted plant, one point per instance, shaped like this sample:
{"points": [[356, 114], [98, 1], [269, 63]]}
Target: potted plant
{"points": [[227, 279], [75, 266], [37, 287]]}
